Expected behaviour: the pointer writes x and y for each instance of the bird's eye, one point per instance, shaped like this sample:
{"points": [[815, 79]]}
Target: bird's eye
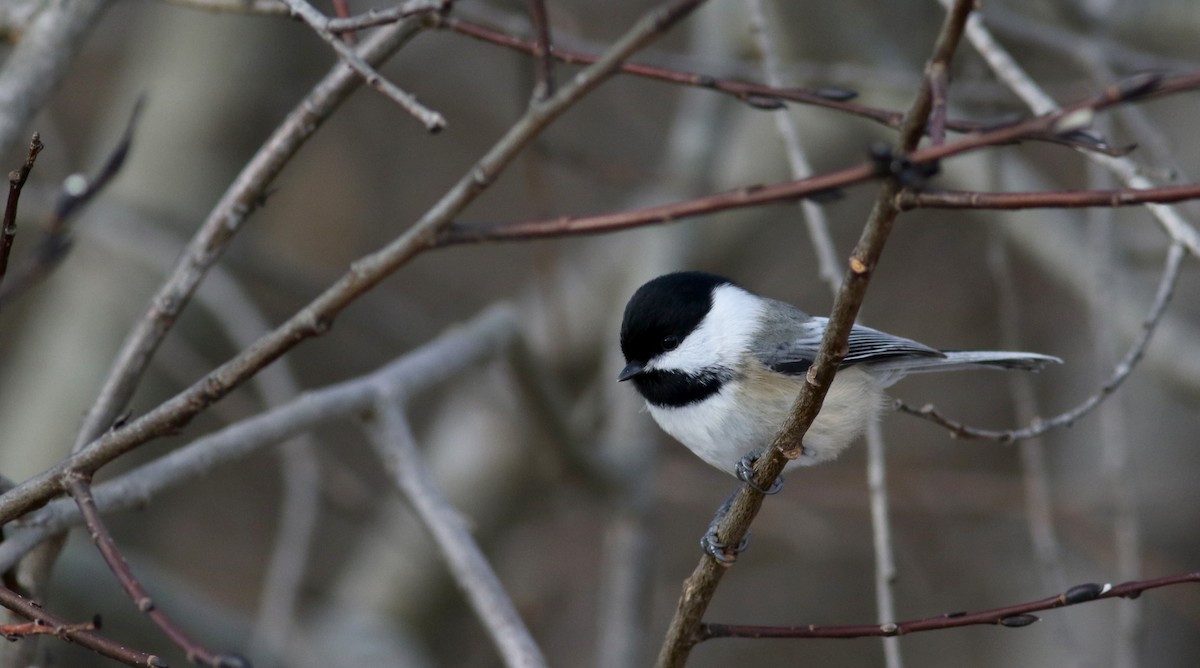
{"points": [[670, 342]]}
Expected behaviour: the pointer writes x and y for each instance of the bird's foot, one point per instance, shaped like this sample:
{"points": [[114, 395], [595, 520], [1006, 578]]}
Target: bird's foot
{"points": [[745, 472]]}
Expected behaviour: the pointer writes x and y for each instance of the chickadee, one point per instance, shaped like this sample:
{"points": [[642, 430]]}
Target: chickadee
{"points": [[720, 367]]}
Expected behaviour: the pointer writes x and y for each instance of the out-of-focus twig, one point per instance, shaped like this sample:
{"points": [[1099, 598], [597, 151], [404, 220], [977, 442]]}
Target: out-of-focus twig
{"points": [[396, 446], [542, 46], [1166, 288], [40, 59], [364, 274], [1056, 199], [242, 197], [416, 371]]}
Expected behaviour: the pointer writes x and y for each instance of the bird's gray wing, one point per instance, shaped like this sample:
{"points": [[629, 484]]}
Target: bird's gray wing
{"points": [[790, 339]]}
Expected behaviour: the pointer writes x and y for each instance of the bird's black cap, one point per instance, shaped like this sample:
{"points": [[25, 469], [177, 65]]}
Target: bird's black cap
{"points": [[671, 305]]}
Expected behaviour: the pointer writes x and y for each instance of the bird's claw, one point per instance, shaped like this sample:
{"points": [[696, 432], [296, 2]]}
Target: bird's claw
{"points": [[745, 472], [719, 551]]}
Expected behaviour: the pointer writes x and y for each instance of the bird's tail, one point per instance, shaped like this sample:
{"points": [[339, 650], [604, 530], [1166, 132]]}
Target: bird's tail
{"points": [[954, 360]]}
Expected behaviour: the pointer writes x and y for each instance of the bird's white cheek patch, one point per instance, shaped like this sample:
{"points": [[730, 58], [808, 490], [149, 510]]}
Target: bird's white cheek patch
{"points": [[721, 338]]}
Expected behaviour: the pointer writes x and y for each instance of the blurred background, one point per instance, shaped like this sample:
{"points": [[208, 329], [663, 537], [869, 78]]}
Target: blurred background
{"points": [[595, 570]]}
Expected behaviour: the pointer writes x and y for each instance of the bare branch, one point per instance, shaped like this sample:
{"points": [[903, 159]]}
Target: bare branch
{"points": [[83, 635], [396, 446], [80, 488], [788, 443], [1166, 288], [816, 186], [544, 71], [242, 197], [39, 60], [378, 17], [1013, 616], [416, 371], [8, 224], [433, 121], [1056, 199], [363, 275]]}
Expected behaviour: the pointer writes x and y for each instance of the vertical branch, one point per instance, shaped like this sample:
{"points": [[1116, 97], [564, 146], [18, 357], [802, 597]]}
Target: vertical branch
{"points": [[881, 533], [830, 271], [1114, 434], [1039, 509], [828, 267], [542, 48], [8, 224]]}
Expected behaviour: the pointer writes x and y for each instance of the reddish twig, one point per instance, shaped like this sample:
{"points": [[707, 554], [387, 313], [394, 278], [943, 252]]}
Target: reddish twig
{"points": [[1065, 120], [77, 191], [79, 486], [84, 635], [762, 96], [341, 9], [16, 181], [1166, 288], [1056, 199], [1013, 616], [542, 46]]}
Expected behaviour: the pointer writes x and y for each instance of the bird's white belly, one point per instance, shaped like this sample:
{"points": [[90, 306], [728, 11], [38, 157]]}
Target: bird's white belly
{"points": [[720, 431]]}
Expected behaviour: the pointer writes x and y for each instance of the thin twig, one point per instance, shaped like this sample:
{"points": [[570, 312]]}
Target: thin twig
{"points": [[396, 446], [828, 267], [77, 191], [83, 635], [829, 270], [1012, 616], [8, 224], [1166, 288], [80, 489], [378, 17], [364, 274], [543, 45], [433, 121], [699, 588], [1039, 508], [1007, 69], [1135, 88], [1056, 199]]}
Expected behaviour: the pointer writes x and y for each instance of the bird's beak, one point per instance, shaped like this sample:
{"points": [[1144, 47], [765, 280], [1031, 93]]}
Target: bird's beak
{"points": [[632, 369]]}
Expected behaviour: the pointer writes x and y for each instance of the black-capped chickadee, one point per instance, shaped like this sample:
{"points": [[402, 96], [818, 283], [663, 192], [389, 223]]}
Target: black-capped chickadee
{"points": [[720, 367]]}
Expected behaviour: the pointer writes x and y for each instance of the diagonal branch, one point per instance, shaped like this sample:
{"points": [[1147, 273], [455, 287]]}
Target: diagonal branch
{"points": [[433, 121], [80, 634], [80, 488], [364, 274], [242, 197], [699, 588]]}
